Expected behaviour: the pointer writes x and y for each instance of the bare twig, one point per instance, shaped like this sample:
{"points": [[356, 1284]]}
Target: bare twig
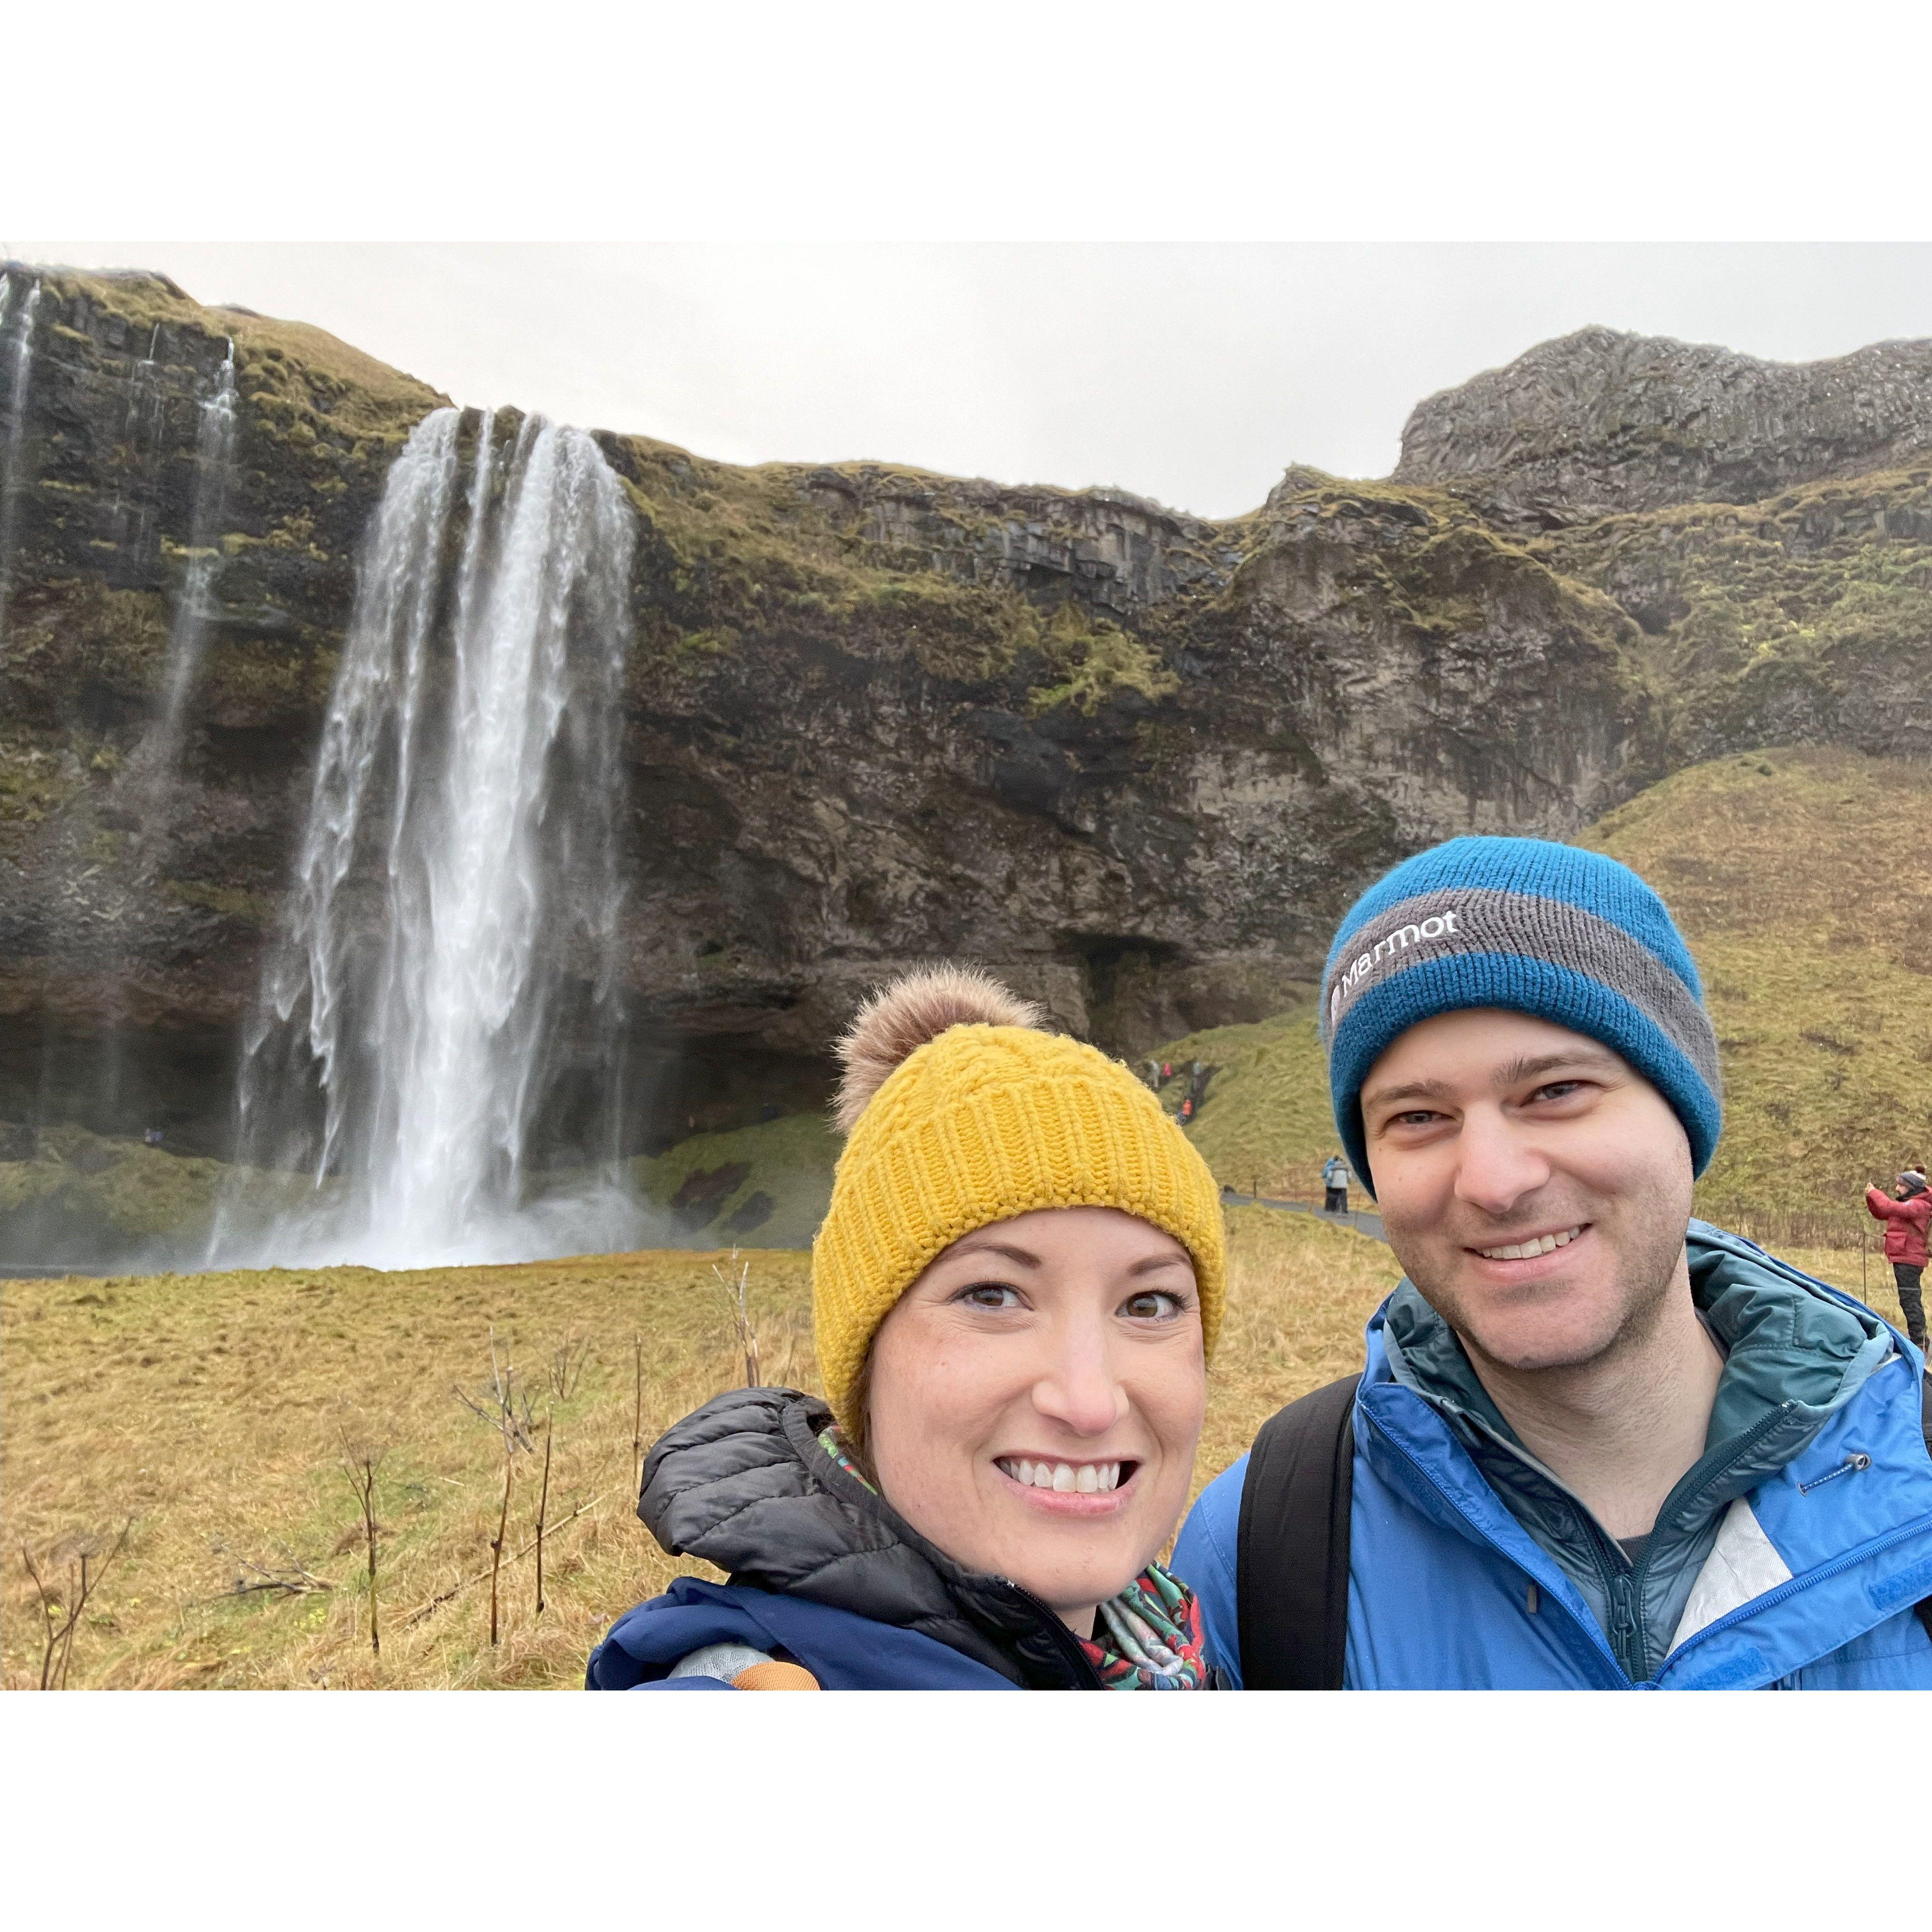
{"points": [[455, 1590], [296, 1580], [737, 1296], [543, 1503], [360, 1463], [637, 1414], [81, 1582], [568, 1360], [497, 1544]]}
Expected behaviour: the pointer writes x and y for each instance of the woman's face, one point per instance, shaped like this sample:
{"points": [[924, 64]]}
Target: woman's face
{"points": [[1035, 1400]]}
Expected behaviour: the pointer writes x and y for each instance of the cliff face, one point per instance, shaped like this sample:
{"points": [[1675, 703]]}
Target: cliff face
{"points": [[1135, 760], [1600, 420]]}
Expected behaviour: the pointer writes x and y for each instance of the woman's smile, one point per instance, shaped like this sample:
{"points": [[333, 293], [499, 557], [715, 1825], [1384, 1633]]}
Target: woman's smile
{"points": [[1069, 1489]]}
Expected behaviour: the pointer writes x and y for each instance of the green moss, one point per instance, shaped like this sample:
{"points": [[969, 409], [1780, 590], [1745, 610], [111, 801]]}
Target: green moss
{"points": [[1090, 661], [787, 1162]]}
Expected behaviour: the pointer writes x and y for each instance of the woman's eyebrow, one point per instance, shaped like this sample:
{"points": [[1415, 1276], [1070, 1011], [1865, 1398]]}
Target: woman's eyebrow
{"points": [[1023, 1256], [1152, 1261]]}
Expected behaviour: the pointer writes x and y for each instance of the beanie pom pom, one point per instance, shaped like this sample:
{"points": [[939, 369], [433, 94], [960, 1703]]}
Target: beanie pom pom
{"points": [[900, 1017]]}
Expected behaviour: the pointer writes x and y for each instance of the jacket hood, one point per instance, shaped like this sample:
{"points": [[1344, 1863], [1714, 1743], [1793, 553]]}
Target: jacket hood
{"points": [[745, 1482]]}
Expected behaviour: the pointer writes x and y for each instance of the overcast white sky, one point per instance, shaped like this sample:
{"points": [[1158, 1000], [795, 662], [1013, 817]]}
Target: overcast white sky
{"points": [[1193, 373]]}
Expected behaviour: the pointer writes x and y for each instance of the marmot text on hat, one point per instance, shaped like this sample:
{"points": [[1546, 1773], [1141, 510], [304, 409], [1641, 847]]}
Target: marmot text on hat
{"points": [[960, 1111], [1566, 935]]}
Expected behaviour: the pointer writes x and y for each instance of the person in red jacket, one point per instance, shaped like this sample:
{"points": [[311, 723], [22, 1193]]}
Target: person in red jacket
{"points": [[1906, 1212]]}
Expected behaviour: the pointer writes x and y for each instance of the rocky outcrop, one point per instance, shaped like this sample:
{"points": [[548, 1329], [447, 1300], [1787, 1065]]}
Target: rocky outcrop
{"points": [[1600, 422], [1135, 760]]}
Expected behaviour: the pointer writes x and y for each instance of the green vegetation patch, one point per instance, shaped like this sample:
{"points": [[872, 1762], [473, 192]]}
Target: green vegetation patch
{"points": [[765, 1187], [1264, 1118]]}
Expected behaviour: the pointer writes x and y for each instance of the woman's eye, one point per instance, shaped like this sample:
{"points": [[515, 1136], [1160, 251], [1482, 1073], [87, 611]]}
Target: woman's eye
{"points": [[989, 1295], [1154, 1306]]}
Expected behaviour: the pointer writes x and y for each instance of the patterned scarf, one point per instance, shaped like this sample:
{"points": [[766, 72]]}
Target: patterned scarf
{"points": [[1148, 1638]]}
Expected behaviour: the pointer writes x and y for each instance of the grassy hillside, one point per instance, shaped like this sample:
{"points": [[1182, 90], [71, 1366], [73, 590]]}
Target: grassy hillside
{"points": [[1265, 1119], [765, 1187], [1802, 880], [208, 1412]]}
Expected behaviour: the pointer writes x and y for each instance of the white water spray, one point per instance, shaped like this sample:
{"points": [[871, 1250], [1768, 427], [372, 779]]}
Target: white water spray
{"points": [[141, 437], [449, 944], [20, 379], [188, 640]]}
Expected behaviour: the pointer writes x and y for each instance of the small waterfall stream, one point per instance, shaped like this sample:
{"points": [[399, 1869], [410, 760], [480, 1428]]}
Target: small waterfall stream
{"points": [[187, 638], [135, 510], [19, 360], [448, 948]]}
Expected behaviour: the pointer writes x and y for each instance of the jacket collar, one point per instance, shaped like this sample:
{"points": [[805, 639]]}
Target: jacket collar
{"points": [[744, 1483], [1795, 1352]]}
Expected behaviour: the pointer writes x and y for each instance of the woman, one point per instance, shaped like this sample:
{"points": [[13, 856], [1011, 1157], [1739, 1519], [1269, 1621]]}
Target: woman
{"points": [[1906, 1213], [1014, 1294]]}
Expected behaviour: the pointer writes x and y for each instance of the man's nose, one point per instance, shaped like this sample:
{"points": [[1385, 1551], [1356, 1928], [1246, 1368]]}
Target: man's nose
{"points": [[1078, 1388], [1498, 1163]]}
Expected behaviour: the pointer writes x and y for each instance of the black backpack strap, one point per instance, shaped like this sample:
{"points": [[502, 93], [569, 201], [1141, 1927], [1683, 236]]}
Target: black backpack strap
{"points": [[1292, 1556]]}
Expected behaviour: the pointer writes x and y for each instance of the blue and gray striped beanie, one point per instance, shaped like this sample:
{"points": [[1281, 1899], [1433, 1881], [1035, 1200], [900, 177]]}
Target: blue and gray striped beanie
{"points": [[1569, 936]]}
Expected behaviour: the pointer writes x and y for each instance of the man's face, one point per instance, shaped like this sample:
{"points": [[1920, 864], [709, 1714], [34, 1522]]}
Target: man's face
{"points": [[1489, 1133]]}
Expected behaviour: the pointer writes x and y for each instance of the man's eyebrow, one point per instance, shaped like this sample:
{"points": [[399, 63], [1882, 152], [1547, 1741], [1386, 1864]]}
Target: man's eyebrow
{"points": [[1414, 1090], [1527, 1067]]}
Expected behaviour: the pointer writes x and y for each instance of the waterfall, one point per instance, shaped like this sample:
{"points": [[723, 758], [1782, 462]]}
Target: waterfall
{"points": [[141, 437], [449, 946], [20, 376], [187, 639]]}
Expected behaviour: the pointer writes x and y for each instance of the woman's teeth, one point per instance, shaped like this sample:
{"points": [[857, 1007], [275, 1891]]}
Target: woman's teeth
{"points": [[1085, 1478], [1543, 1245]]}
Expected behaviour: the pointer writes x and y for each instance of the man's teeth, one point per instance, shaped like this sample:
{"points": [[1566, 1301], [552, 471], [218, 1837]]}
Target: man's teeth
{"points": [[1544, 1244], [1086, 1478]]}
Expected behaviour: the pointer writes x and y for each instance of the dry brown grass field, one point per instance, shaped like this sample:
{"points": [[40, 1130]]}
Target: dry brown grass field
{"points": [[209, 1414]]}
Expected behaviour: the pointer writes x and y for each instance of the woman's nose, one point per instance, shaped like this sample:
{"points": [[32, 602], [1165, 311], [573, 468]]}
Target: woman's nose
{"points": [[1078, 1389]]}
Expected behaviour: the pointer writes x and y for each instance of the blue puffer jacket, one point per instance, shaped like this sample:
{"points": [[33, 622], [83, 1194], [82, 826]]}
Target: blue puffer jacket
{"points": [[1804, 1580], [844, 1650], [824, 1573]]}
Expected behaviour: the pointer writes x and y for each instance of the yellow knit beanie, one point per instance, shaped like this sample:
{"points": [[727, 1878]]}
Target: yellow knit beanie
{"points": [[960, 1112]]}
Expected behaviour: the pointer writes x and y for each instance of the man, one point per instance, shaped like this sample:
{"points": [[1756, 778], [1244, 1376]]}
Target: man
{"points": [[1596, 1444], [1335, 1180], [1906, 1212]]}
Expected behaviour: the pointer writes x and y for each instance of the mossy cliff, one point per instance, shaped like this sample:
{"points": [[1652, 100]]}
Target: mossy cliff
{"points": [[1136, 760]]}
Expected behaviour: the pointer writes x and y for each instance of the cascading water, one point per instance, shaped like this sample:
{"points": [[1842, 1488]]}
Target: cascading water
{"points": [[450, 942], [187, 639], [19, 356], [133, 521]]}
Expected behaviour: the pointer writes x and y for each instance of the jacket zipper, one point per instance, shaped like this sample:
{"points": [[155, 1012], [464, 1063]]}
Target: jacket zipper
{"points": [[1067, 1644], [1623, 1586], [1589, 1628]]}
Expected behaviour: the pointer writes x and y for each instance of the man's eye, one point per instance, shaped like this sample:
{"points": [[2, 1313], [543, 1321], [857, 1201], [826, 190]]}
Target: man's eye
{"points": [[1420, 1117], [1557, 1090], [989, 1295], [1154, 1306]]}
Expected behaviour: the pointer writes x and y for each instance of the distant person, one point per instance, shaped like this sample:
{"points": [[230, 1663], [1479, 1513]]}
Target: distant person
{"points": [[152, 1138], [1015, 1292], [1595, 1444], [1335, 1184], [1906, 1212]]}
